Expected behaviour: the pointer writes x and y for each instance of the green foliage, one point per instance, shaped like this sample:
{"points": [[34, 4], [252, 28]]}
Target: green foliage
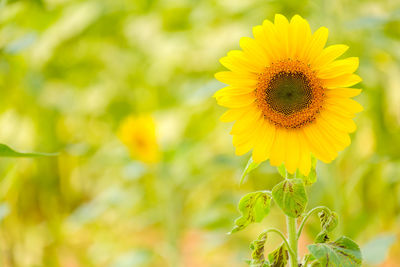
{"points": [[291, 197], [340, 253], [6, 151], [279, 257], [249, 167], [257, 255], [253, 207], [329, 221]]}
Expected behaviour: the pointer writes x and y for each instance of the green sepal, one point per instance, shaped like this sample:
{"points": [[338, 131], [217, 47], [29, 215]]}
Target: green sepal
{"points": [[291, 197], [6, 151], [253, 207], [343, 252], [249, 167], [279, 257]]}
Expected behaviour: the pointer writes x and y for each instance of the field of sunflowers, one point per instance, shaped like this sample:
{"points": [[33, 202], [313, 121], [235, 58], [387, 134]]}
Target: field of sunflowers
{"points": [[138, 170]]}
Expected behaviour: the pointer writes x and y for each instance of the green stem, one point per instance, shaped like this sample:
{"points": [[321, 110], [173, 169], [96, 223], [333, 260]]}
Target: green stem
{"points": [[311, 212], [292, 233]]}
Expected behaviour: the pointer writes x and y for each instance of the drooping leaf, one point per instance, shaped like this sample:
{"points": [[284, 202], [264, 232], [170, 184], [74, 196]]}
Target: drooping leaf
{"points": [[6, 151], [257, 256], [328, 221], [376, 250], [249, 167], [291, 197], [253, 207], [279, 257], [340, 253]]}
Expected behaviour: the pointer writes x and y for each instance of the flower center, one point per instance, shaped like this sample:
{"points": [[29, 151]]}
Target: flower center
{"points": [[289, 94]]}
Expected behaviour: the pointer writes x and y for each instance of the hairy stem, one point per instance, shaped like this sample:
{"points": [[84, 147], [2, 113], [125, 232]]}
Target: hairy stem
{"points": [[292, 233]]}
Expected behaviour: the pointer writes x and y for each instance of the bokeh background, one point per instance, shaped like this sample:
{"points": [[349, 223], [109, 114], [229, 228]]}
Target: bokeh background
{"points": [[72, 71]]}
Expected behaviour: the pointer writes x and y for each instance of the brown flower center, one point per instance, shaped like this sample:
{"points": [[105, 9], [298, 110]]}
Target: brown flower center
{"points": [[289, 94]]}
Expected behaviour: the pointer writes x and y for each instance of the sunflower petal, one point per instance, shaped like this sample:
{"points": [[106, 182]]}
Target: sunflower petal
{"points": [[342, 123], [317, 43], [292, 155], [253, 50], [233, 91], [233, 114], [343, 92], [328, 55], [238, 79], [246, 121], [338, 68], [278, 147], [345, 80], [282, 27], [236, 101], [261, 152], [305, 157]]}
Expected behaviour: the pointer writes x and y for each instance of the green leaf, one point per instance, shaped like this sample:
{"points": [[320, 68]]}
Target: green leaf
{"points": [[249, 167], [328, 221], [257, 256], [253, 207], [279, 257], [6, 151], [376, 250], [291, 197], [343, 252]]}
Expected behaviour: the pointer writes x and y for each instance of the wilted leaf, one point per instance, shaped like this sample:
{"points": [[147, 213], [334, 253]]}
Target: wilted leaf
{"points": [[343, 252], [328, 221], [253, 207], [257, 256], [291, 197], [6, 151], [279, 257]]}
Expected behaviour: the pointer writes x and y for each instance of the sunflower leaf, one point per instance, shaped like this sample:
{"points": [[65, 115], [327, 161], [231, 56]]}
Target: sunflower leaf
{"points": [[253, 207], [343, 252], [328, 221], [291, 197], [257, 256], [279, 257], [6, 151], [249, 167]]}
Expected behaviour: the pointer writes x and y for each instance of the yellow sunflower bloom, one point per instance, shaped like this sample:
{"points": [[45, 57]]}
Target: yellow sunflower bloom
{"points": [[289, 94], [138, 133]]}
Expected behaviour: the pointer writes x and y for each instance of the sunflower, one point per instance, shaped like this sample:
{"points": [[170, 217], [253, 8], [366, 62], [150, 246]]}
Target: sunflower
{"points": [[288, 94], [138, 133]]}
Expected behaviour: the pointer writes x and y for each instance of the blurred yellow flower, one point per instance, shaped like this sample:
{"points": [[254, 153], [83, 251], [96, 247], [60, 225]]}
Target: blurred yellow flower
{"points": [[138, 133], [288, 94]]}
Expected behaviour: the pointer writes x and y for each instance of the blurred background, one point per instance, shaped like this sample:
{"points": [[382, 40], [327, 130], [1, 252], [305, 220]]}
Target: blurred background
{"points": [[146, 174]]}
